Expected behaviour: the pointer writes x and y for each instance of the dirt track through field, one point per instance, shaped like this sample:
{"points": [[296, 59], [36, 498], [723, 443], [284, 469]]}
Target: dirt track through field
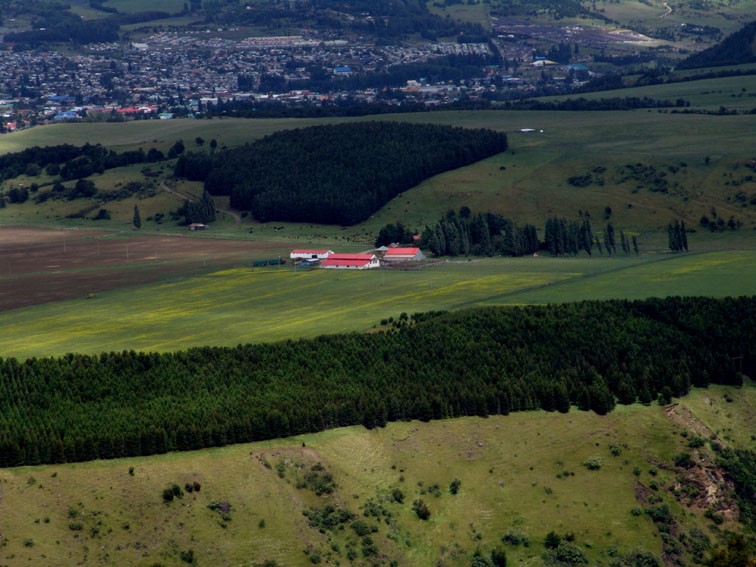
{"points": [[39, 266]]}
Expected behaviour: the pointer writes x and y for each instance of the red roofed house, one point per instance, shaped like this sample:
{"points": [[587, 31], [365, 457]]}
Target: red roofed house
{"points": [[403, 254], [351, 262], [310, 254]]}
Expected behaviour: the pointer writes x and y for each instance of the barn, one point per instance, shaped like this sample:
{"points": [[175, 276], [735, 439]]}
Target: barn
{"points": [[351, 262], [403, 254], [310, 254]]}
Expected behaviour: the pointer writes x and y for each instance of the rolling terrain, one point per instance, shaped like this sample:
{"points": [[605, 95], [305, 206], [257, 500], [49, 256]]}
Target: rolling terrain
{"points": [[79, 285], [520, 477]]}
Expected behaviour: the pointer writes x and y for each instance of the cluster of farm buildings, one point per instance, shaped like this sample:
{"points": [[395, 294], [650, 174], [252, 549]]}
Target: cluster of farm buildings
{"points": [[352, 261]]}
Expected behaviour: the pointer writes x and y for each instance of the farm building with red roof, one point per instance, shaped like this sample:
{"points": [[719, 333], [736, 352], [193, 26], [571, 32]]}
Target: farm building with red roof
{"points": [[351, 262], [403, 254]]}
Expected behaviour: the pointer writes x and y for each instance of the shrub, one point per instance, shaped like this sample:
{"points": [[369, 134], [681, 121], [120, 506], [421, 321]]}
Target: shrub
{"points": [[360, 528], [454, 486], [566, 553], [187, 556], [552, 540], [368, 547], [421, 509], [102, 214], [514, 537], [593, 464], [499, 557], [683, 460], [641, 558], [397, 496]]}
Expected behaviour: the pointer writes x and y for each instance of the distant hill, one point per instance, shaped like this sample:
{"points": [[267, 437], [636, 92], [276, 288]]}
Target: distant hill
{"points": [[735, 49]]}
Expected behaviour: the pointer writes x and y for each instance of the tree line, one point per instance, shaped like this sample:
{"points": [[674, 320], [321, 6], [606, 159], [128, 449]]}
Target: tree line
{"points": [[581, 103], [338, 173], [491, 234], [244, 108], [479, 234], [482, 362], [562, 237], [74, 162]]}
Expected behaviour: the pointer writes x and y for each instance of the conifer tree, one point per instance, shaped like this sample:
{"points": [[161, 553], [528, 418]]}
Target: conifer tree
{"points": [[609, 241], [137, 218]]}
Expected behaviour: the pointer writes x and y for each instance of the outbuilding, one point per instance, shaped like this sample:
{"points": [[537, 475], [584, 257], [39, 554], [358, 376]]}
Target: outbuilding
{"points": [[400, 254], [351, 262], [306, 254]]}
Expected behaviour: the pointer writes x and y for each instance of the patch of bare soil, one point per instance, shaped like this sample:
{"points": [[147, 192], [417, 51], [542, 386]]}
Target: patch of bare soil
{"points": [[702, 486], [40, 266]]}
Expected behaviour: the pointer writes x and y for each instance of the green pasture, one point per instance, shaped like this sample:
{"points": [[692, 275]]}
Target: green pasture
{"points": [[527, 183], [133, 6], [733, 93], [149, 133], [477, 13], [521, 473], [248, 305]]}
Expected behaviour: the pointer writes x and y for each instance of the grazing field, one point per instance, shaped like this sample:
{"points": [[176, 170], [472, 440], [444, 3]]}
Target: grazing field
{"points": [[732, 93], [521, 476], [528, 183], [129, 6], [108, 293]]}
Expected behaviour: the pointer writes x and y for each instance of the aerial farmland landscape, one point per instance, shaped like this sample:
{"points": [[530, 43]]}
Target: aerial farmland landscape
{"points": [[378, 283]]}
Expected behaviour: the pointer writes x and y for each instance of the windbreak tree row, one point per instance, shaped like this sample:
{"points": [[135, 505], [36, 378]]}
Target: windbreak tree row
{"points": [[592, 355], [338, 173]]}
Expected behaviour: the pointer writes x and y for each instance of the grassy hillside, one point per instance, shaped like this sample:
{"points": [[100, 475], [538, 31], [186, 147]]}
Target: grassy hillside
{"points": [[268, 304], [733, 93], [521, 476], [527, 183]]}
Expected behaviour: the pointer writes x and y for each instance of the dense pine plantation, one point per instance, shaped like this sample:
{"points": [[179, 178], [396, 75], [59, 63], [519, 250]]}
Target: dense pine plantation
{"points": [[336, 174], [428, 366]]}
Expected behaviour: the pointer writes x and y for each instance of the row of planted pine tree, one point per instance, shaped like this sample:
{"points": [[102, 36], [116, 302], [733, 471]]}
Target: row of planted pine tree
{"points": [[431, 366]]}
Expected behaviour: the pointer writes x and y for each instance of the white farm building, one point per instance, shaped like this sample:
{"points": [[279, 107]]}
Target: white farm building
{"points": [[310, 254]]}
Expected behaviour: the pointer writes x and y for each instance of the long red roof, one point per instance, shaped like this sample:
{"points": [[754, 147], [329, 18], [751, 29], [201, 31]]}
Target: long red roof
{"points": [[402, 251], [352, 262], [348, 260], [307, 251]]}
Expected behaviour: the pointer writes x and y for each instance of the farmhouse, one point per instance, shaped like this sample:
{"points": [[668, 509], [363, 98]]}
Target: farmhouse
{"points": [[351, 262], [310, 254], [403, 254]]}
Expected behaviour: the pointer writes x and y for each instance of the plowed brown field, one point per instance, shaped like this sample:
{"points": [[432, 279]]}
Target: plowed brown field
{"points": [[40, 266]]}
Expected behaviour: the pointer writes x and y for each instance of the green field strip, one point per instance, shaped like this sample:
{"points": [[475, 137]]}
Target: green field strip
{"points": [[246, 305]]}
